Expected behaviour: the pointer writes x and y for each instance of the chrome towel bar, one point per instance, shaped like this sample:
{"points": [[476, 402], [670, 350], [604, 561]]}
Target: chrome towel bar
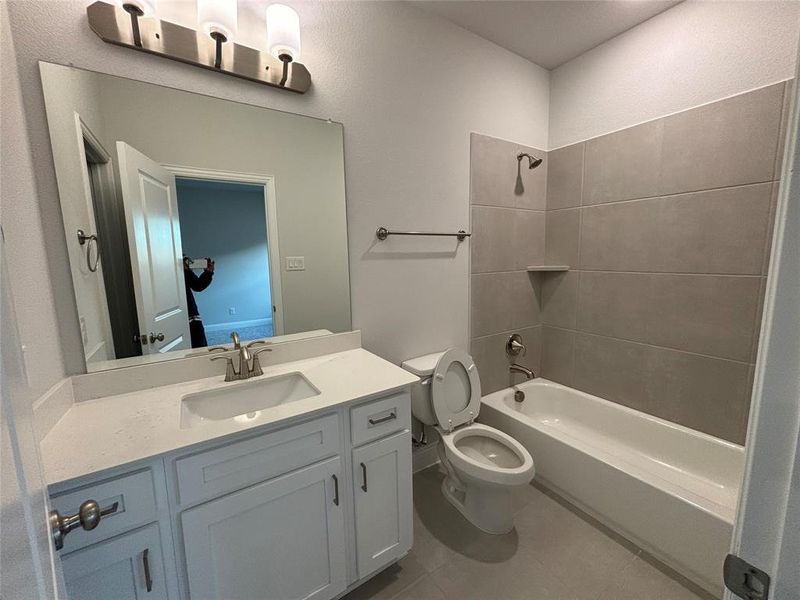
{"points": [[382, 233]]}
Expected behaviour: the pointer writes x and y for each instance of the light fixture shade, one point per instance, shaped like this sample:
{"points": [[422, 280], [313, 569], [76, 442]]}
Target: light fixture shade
{"points": [[148, 7], [218, 16], [283, 32]]}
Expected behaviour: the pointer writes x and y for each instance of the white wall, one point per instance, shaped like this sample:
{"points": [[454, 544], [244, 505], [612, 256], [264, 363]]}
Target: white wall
{"points": [[408, 87], [21, 219], [692, 54]]}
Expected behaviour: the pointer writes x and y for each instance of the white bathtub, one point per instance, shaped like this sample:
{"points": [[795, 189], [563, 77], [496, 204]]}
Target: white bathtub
{"points": [[669, 489]]}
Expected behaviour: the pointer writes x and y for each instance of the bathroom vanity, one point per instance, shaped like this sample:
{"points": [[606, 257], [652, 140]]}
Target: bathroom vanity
{"points": [[301, 499]]}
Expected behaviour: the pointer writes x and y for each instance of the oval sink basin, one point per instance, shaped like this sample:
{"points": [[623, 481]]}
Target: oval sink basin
{"points": [[244, 401]]}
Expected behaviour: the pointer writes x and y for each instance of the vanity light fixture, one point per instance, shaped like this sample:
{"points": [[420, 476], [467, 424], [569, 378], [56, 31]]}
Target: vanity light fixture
{"points": [[218, 19], [134, 24], [136, 9], [283, 35]]}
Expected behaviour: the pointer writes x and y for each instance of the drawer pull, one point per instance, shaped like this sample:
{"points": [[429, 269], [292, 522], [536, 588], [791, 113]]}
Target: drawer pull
{"points": [[364, 476], [388, 417], [335, 490], [148, 579]]}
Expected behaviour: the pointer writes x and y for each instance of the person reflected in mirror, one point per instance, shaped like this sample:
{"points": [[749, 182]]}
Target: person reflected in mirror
{"points": [[196, 283]]}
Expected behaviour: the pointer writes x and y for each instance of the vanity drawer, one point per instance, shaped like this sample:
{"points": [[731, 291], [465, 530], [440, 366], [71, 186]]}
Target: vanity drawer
{"points": [[135, 494], [378, 418], [232, 467]]}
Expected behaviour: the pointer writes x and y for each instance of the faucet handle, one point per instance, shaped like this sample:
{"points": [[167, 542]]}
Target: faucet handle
{"points": [[258, 343], [230, 371], [514, 345], [256, 370]]}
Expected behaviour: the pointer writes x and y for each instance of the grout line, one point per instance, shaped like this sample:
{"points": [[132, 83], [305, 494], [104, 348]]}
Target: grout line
{"points": [[640, 343], [670, 273], [506, 331], [533, 210]]}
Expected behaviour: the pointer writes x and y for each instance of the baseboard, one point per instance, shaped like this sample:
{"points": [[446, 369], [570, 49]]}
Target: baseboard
{"points": [[234, 325]]}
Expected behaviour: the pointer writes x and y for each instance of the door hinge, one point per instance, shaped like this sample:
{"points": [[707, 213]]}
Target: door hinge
{"points": [[745, 580]]}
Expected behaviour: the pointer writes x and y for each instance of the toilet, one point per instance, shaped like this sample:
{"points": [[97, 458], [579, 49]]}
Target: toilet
{"points": [[482, 464]]}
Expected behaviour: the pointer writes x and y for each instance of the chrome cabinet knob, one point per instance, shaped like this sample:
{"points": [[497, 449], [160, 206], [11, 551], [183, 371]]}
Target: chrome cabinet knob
{"points": [[88, 517], [156, 337]]}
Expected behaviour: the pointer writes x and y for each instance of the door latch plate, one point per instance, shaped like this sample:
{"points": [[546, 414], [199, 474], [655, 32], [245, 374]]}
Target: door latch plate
{"points": [[745, 580]]}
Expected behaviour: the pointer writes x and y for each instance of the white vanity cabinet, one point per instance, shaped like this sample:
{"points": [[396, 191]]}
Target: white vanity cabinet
{"points": [[278, 513], [283, 538], [383, 502]]}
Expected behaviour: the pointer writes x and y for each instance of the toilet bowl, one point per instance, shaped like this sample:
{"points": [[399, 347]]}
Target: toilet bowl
{"points": [[482, 464]]}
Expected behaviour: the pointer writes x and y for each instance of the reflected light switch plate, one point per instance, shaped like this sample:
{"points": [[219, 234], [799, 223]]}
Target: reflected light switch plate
{"points": [[295, 263]]}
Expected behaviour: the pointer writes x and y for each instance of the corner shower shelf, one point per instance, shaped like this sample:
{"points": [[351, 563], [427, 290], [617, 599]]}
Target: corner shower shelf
{"points": [[547, 268]]}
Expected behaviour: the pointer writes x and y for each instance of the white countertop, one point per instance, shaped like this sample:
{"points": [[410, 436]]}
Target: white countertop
{"points": [[96, 435]]}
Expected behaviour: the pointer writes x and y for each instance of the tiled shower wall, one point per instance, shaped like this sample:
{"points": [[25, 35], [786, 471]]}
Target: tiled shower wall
{"points": [[666, 226], [508, 234]]}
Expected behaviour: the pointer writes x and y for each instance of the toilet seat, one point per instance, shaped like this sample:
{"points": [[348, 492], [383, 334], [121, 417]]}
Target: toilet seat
{"points": [[486, 459], [456, 390]]}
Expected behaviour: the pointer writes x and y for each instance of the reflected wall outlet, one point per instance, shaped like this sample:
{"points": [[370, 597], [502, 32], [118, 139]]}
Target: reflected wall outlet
{"points": [[295, 263], [232, 310]]}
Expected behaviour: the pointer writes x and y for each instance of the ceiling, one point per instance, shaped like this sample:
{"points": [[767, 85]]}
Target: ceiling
{"points": [[546, 32]]}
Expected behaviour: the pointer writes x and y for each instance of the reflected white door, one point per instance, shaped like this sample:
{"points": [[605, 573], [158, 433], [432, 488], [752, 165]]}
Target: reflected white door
{"points": [[28, 567], [151, 215]]}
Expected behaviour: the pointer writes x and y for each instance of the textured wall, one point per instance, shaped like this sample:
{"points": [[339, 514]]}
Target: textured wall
{"points": [[409, 87], [692, 54], [508, 235], [667, 226]]}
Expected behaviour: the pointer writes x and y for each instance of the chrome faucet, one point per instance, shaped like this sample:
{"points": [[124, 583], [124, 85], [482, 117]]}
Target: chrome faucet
{"points": [[246, 369], [515, 368]]}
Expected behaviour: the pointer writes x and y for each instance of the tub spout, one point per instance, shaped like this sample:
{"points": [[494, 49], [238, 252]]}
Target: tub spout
{"points": [[529, 374]]}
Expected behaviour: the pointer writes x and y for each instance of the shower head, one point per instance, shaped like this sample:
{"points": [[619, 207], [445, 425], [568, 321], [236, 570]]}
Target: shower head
{"points": [[533, 162]]}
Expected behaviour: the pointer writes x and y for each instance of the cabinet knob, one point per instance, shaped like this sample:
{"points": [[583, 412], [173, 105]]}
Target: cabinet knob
{"points": [[88, 517]]}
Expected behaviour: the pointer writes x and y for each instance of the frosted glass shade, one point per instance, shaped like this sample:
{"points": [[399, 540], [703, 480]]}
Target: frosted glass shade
{"points": [[218, 16], [148, 7], [283, 31]]}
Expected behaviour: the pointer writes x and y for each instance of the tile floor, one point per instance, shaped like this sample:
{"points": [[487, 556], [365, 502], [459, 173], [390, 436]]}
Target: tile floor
{"points": [[553, 553]]}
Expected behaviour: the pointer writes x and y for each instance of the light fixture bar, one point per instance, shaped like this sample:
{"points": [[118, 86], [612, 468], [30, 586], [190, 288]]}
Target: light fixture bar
{"points": [[169, 40]]}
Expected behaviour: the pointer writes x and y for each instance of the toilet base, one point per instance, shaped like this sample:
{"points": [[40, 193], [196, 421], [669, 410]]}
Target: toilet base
{"points": [[489, 508]]}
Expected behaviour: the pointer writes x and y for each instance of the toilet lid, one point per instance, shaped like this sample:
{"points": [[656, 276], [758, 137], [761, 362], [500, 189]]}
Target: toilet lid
{"points": [[456, 389]]}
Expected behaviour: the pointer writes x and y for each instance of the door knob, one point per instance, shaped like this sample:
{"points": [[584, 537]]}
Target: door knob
{"points": [[156, 337], [88, 517]]}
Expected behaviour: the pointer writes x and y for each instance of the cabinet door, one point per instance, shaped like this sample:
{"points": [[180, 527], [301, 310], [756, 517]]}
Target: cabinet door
{"points": [[127, 567], [279, 540], [382, 488]]}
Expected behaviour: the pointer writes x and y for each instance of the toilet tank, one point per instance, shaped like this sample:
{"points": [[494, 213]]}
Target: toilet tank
{"points": [[422, 367]]}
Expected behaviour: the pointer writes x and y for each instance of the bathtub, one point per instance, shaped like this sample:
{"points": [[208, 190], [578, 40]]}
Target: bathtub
{"points": [[670, 490]]}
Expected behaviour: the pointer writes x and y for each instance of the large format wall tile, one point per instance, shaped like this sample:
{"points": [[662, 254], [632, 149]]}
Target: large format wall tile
{"points": [[491, 229], [707, 314], [612, 369], [496, 178], [703, 393], [503, 301], [558, 354], [618, 237], [562, 231], [559, 298], [730, 142], [565, 177], [528, 238], [719, 231], [623, 165], [614, 304]]}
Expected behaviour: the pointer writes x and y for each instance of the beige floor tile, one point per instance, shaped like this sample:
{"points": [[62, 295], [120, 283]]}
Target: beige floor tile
{"points": [[424, 589], [642, 581], [391, 581]]}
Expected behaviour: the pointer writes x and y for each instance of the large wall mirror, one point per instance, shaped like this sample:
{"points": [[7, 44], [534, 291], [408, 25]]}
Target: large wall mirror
{"points": [[188, 217]]}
